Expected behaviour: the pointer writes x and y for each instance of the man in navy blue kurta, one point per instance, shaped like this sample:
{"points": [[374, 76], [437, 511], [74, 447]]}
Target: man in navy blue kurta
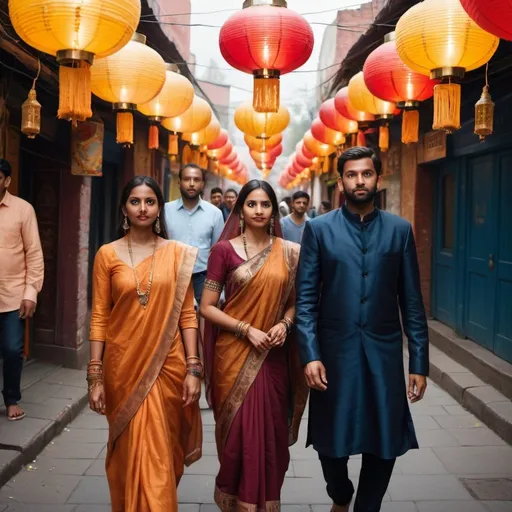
{"points": [[358, 269]]}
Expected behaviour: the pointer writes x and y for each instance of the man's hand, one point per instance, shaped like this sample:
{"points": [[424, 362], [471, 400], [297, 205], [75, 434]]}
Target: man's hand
{"points": [[316, 376], [27, 309], [417, 387]]}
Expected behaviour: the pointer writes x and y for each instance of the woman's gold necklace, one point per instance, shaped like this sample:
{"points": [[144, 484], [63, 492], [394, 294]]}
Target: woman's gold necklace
{"points": [[143, 296], [244, 240]]}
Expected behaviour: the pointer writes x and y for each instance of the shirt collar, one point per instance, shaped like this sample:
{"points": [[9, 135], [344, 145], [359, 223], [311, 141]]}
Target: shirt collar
{"points": [[6, 201], [354, 217], [182, 206]]}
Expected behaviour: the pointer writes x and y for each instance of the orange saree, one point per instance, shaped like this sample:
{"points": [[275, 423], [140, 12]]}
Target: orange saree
{"points": [[151, 435], [258, 399]]}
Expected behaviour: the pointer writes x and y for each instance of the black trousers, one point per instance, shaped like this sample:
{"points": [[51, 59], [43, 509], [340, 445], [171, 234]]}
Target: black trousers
{"points": [[12, 331], [373, 481]]}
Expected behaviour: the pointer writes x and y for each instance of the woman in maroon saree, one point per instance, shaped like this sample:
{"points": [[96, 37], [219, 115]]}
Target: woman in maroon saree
{"points": [[255, 383]]}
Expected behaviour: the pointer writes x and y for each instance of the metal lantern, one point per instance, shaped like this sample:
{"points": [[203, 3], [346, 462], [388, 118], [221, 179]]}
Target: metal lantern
{"points": [[31, 115], [484, 114]]}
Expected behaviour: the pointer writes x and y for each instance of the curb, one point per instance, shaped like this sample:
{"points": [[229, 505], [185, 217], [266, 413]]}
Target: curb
{"points": [[37, 443], [485, 402]]}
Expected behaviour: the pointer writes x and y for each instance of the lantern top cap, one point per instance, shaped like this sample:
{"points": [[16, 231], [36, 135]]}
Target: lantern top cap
{"points": [[172, 67], [272, 3], [139, 38], [390, 37]]}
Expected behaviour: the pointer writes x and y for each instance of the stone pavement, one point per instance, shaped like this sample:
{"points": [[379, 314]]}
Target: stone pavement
{"points": [[462, 466]]}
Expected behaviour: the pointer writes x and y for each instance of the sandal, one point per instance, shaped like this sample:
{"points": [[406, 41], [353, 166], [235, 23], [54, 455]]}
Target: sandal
{"points": [[15, 417]]}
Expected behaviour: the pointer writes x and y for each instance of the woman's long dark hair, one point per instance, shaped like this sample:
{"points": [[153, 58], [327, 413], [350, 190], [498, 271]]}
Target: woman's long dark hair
{"points": [[137, 181], [251, 186]]}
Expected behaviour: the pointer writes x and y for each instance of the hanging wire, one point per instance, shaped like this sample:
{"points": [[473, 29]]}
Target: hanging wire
{"points": [[38, 73], [487, 74]]}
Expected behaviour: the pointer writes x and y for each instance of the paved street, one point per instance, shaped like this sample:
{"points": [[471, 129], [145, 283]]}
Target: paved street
{"points": [[460, 460]]}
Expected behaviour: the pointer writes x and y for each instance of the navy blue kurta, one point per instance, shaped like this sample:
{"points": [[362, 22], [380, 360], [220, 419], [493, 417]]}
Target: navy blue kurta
{"points": [[353, 279]]}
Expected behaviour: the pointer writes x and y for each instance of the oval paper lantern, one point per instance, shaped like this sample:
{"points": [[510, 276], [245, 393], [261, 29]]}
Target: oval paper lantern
{"points": [[258, 124]]}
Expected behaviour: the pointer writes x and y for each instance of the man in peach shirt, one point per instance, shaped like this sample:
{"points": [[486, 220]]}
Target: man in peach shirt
{"points": [[21, 279]]}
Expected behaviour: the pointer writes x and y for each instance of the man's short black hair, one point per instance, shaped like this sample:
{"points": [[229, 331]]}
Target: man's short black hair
{"points": [[327, 205], [215, 190], [192, 166], [5, 168], [300, 195], [358, 153], [231, 190]]}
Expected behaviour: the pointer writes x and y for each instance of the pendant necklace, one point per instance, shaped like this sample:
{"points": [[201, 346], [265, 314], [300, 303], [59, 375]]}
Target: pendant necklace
{"points": [[244, 240], [143, 296]]}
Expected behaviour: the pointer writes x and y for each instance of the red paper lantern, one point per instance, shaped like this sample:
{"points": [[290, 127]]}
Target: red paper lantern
{"points": [[266, 41], [300, 148], [302, 160], [334, 120], [325, 134], [220, 141], [346, 109], [229, 159], [494, 16], [388, 78]]}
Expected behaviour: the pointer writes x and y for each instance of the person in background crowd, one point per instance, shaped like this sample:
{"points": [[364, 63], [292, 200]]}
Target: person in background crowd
{"points": [[194, 222], [230, 197], [145, 372], [312, 212], [293, 224], [216, 197], [254, 380], [325, 207], [358, 271], [284, 207], [21, 279]]}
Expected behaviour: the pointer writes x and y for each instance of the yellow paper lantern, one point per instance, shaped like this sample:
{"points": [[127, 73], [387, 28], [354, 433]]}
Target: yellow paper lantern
{"points": [[195, 118], [262, 145], [133, 75], [317, 147], [75, 32], [175, 98], [437, 38], [206, 135], [258, 124]]}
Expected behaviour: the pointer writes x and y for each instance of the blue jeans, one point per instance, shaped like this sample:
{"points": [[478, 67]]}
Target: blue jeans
{"points": [[12, 331], [198, 280]]}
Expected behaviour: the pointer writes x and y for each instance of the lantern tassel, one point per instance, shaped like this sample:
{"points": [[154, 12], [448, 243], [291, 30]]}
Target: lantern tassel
{"points": [[447, 107], [361, 138], [173, 144], [266, 94], [153, 141], [384, 138], [125, 128], [75, 92], [410, 126]]}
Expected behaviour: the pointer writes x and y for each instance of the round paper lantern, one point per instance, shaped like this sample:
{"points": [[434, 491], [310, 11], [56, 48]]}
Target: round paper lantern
{"points": [[75, 32], [300, 148], [326, 135], [175, 98], [220, 141], [262, 125], [133, 75], [217, 154], [388, 78], [259, 144], [438, 38], [302, 160], [229, 159], [494, 16], [205, 136], [267, 40], [345, 107], [334, 120], [317, 147]]}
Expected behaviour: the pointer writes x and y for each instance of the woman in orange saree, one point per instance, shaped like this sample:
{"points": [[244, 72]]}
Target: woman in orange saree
{"points": [[255, 383], [144, 374]]}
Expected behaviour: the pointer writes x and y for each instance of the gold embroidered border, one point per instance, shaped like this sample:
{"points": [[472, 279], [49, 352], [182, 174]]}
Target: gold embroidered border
{"points": [[229, 503], [143, 387], [247, 270], [214, 286]]}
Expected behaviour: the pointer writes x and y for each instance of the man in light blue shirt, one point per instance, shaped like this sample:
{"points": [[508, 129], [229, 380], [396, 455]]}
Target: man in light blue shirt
{"points": [[194, 222], [293, 225]]}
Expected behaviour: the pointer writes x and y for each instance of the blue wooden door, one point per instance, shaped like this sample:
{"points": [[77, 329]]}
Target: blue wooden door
{"points": [[480, 251], [503, 264]]}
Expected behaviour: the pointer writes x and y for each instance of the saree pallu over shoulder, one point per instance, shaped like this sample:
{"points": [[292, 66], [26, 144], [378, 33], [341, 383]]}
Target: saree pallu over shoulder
{"points": [[185, 256]]}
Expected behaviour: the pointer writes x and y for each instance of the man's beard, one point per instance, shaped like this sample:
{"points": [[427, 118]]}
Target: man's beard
{"points": [[369, 197], [188, 195]]}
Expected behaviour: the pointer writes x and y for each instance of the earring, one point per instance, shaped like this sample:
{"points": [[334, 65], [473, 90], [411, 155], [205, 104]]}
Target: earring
{"points": [[158, 229], [242, 223], [126, 226], [272, 225]]}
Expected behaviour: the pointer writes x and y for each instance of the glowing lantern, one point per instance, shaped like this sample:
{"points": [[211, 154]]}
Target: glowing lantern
{"points": [[334, 120], [75, 32], [302, 160], [388, 78], [175, 98], [220, 141], [262, 145], [205, 136], [438, 38], [317, 147], [345, 107], [195, 118], [133, 75], [229, 159], [262, 125], [300, 148], [267, 40], [363, 99], [326, 135], [217, 154], [494, 16]]}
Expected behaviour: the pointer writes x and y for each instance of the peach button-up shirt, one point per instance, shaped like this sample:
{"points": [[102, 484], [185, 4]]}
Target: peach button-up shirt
{"points": [[21, 256]]}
